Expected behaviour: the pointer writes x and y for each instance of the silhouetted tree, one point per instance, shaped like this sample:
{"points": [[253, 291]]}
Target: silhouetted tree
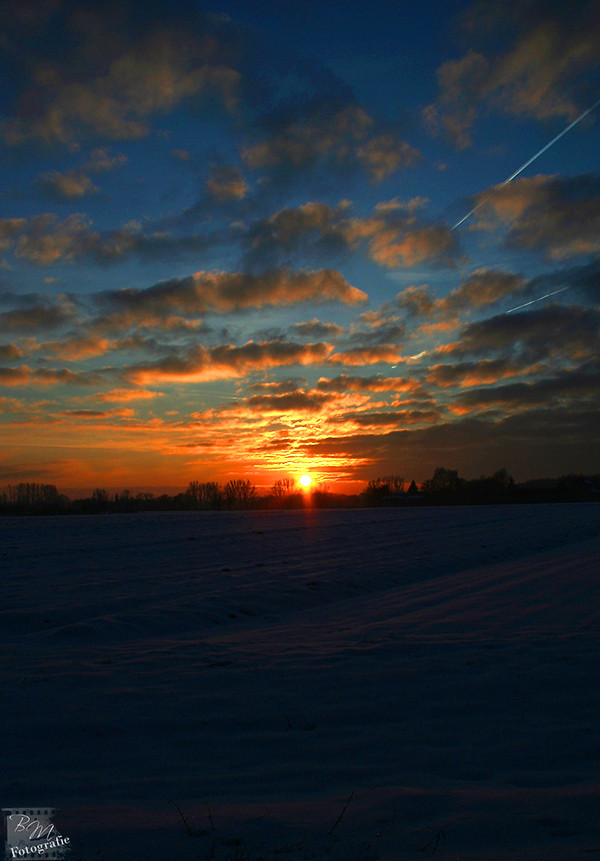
{"points": [[444, 482], [504, 479], [239, 493], [204, 495], [282, 487], [282, 494], [379, 488], [30, 496]]}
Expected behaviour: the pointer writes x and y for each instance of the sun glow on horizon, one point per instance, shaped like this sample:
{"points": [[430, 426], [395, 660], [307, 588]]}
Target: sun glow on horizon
{"points": [[305, 480]]}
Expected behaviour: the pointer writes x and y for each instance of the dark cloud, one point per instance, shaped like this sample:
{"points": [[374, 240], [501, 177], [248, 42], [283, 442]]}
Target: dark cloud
{"points": [[395, 235], [386, 353], [482, 288], [104, 70], [526, 443], [74, 184], [279, 387], [226, 361], [25, 376], [317, 329], [534, 335], [224, 292], [558, 216], [36, 317], [397, 418], [71, 185], [483, 372], [226, 183], [580, 384], [10, 351], [289, 402], [331, 133], [375, 383], [548, 53]]}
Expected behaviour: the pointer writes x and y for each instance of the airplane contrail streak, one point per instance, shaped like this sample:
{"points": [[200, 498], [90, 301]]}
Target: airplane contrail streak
{"points": [[539, 299], [532, 159]]}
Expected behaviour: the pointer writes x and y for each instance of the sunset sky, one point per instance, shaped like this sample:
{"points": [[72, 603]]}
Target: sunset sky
{"points": [[230, 241]]}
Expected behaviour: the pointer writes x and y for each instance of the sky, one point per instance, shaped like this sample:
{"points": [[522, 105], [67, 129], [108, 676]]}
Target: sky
{"points": [[233, 241]]}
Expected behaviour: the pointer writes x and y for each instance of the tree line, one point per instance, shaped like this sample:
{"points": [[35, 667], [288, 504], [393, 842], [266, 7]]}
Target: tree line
{"points": [[445, 487]]}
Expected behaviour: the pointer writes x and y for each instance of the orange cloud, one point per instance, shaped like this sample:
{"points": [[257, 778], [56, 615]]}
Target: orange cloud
{"points": [[230, 291], [344, 383], [396, 247], [71, 185], [531, 78], [385, 154], [366, 356], [77, 348], [226, 183], [127, 395], [227, 361], [156, 74], [24, 375], [303, 143]]}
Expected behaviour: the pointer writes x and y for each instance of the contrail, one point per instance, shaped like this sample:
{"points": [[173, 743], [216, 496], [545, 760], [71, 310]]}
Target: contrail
{"points": [[539, 299], [532, 159]]}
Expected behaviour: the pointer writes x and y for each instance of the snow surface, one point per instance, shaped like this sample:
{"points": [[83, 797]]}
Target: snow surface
{"points": [[373, 684]]}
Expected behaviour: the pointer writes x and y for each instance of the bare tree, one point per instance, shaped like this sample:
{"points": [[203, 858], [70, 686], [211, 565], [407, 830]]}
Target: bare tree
{"points": [[388, 485], [208, 494], [239, 493], [283, 487]]}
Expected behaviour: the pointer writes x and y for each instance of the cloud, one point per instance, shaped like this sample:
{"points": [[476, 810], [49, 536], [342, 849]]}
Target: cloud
{"points": [[385, 154], [394, 235], [226, 361], [376, 383], [126, 395], [551, 55], [461, 83], [101, 161], [9, 229], [278, 387], [224, 292], [317, 329], [532, 336], [482, 288], [10, 351], [401, 247], [416, 301], [75, 349], [304, 140], [387, 419], [581, 384], [98, 414], [48, 239], [24, 376], [122, 82], [387, 353], [290, 402], [36, 317], [338, 136], [559, 216], [75, 183], [485, 371], [72, 185], [226, 183]]}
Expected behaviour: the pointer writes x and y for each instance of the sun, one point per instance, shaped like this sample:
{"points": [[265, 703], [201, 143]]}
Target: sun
{"points": [[305, 480]]}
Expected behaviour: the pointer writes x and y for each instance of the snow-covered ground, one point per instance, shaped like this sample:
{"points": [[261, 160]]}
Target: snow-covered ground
{"points": [[365, 684]]}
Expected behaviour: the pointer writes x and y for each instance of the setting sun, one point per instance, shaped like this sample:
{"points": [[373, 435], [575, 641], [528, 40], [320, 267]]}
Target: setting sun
{"points": [[305, 480]]}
